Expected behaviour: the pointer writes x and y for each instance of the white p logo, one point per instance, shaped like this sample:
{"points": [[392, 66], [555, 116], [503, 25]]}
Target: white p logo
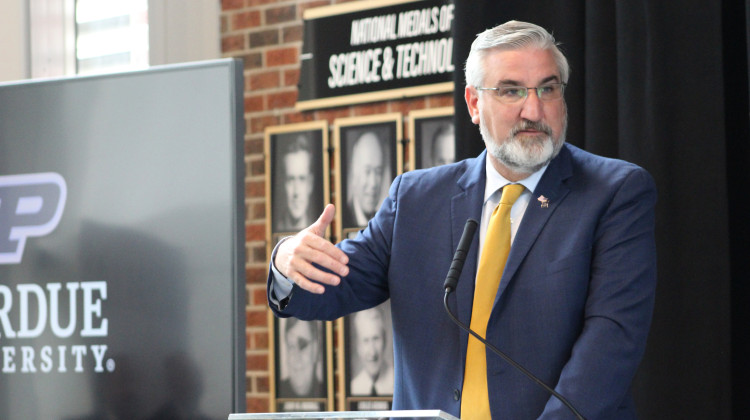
{"points": [[30, 205]]}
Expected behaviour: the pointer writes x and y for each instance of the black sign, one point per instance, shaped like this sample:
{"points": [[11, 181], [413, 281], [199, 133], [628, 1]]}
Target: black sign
{"points": [[351, 55]]}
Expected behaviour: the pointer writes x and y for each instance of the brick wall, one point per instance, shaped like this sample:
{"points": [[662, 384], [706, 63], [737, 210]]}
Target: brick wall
{"points": [[267, 34]]}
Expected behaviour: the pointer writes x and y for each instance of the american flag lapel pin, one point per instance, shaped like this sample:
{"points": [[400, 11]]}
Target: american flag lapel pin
{"points": [[544, 200]]}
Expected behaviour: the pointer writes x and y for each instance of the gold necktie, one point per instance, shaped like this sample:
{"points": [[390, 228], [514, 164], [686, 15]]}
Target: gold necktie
{"points": [[475, 403]]}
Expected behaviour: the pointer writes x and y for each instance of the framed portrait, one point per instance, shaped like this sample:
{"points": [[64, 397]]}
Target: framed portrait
{"points": [[369, 155], [302, 362], [366, 360], [297, 178], [433, 140]]}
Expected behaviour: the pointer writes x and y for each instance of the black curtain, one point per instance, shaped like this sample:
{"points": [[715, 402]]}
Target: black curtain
{"points": [[663, 85]]}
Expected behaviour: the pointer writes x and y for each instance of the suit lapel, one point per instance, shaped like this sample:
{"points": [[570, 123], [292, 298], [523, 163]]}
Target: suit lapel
{"points": [[468, 204], [464, 205], [536, 216]]}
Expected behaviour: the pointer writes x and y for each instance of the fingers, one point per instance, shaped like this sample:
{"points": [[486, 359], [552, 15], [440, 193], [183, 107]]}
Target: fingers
{"points": [[313, 249], [302, 252], [325, 219], [297, 257]]}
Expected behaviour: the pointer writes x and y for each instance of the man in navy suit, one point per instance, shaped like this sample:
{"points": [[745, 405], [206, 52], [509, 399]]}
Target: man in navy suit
{"points": [[576, 296]]}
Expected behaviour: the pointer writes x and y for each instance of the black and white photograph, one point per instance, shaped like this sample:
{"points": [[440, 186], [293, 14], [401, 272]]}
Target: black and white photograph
{"points": [[368, 358], [297, 189], [297, 175], [302, 365], [432, 132], [368, 159], [301, 360]]}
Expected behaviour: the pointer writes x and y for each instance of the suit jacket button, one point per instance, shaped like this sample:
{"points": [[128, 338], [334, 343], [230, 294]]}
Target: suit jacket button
{"points": [[456, 395]]}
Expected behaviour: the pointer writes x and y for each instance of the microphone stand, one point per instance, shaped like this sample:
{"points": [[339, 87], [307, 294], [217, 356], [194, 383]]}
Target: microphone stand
{"points": [[450, 285], [511, 361]]}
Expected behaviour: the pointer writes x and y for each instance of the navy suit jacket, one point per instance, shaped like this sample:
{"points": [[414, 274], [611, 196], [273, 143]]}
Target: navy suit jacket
{"points": [[573, 307]]}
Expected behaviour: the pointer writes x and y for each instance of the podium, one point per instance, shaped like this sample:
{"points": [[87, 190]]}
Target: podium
{"points": [[405, 414]]}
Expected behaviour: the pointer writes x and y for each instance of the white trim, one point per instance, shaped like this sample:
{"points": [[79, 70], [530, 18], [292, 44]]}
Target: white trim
{"points": [[183, 30], [51, 38], [14, 33]]}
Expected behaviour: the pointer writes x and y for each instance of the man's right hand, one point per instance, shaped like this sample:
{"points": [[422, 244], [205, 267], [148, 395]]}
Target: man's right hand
{"points": [[296, 255]]}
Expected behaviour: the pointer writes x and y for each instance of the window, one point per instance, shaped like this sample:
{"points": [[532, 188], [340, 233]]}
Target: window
{"points": [[111, 35]]}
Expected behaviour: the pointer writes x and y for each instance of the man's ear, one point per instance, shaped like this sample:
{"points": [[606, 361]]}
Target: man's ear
{"points": [[472, 102]]}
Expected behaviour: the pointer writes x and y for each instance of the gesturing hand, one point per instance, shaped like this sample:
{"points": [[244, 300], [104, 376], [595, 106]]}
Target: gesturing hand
{"points": [[296, 255]]}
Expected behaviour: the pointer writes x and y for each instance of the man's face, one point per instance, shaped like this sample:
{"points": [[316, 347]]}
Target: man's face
{"points": [[301, 357], [370, 342], [367, 166], [523, 136], [298, 182], [444, 150]]}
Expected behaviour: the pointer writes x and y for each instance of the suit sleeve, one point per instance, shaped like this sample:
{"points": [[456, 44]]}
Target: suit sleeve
{"points": [[366, 285], [619, 305]]}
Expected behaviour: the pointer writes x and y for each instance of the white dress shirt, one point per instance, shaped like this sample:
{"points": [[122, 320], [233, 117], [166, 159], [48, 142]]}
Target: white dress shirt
{"points": [[492, 194]]}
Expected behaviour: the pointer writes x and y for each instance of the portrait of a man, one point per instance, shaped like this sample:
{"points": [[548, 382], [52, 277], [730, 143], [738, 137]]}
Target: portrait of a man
{"points": [[298, 177], [367, 171], [443, 146], [435, 141], [370, 335], [302, 355]]}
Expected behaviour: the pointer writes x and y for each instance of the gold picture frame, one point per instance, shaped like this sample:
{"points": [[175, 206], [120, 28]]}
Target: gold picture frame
{"points": [[431, 138], [368, 156]]}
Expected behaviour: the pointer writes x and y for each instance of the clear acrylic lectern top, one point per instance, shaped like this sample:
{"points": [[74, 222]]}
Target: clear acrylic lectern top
{"points": [[401, 414]]}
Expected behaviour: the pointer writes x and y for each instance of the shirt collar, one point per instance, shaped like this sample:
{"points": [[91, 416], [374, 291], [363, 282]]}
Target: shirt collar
{"points": [[495, 181]]}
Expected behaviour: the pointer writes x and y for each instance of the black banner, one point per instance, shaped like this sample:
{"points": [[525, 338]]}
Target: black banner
{"points": [[398, 48]]}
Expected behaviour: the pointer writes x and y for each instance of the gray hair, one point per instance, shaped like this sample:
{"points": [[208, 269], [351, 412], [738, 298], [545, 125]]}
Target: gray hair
{"points": [[511, 35]]}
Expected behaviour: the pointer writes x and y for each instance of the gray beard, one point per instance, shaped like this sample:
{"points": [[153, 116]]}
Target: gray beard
{"points": [[524, 156]]}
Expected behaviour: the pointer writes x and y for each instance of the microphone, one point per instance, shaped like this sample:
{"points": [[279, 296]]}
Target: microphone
{"points": [[451, 280], [457, 265]]}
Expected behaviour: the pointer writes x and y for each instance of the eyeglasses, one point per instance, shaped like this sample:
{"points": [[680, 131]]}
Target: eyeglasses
{"points": [[514, 94]]}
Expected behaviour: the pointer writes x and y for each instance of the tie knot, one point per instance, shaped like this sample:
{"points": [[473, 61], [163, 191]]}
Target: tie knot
{"points": [[511, 192]]}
